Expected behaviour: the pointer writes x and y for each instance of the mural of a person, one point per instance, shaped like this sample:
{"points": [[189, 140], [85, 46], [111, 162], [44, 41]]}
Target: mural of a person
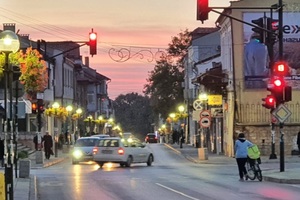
{"points": [[256, 61]]}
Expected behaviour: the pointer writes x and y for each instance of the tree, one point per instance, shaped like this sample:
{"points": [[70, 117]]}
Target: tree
{"points": [[164, 82], [34, 73], [134, 113]]}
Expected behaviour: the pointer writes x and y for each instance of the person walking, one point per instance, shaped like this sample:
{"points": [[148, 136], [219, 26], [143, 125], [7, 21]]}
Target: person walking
{"points": [[241, 154], [298, 142], [48, 143]]}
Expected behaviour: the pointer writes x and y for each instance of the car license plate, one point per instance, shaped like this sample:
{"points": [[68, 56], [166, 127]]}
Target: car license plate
{"points": [[107, 151]]}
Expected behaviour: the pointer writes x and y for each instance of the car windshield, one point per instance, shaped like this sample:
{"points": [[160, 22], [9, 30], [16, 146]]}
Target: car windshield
{"points": [[109, 143], [86, 142], [151, 136]]}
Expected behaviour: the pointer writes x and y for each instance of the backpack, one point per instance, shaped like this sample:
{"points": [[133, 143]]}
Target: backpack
{"points": [[253, 152]]}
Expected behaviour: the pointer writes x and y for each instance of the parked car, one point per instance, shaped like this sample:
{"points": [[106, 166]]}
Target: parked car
{"points": [[151, 138], [83, 149], [124, 152]]}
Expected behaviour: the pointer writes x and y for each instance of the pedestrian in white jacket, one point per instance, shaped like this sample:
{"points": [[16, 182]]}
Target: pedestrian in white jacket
{"points": [[241, 154]]}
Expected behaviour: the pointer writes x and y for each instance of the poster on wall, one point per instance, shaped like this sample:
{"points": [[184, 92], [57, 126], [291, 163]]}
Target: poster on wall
{"points": [[256, 57]]}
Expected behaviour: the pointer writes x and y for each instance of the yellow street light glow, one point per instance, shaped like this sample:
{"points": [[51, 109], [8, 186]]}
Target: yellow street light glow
{"points": [[55, 105]]}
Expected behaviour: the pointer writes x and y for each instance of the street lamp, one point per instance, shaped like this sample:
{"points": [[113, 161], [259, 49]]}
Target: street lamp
{"points": [[55, 106], [69, 109], [90, 118], [78, 112], [9, 43]]}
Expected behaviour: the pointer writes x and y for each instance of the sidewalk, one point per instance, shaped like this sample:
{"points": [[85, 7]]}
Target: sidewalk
{"points": [[291, 174], [25, 188]]}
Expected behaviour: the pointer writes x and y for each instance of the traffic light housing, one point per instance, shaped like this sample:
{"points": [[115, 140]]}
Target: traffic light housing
{"points": [[269, 102], [258, 30], [202, 10], [280, 68], [93, 43], [277, 88], [34, 108], [272, 26], [40, 106]]}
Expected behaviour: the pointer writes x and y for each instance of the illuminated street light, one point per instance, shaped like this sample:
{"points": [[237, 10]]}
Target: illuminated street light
{"points": [[9, 43]]}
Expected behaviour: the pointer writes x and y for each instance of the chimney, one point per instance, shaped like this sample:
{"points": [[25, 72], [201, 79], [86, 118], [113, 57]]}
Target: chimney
{"points": [[9, 26], [86, 61], [24, 36]]}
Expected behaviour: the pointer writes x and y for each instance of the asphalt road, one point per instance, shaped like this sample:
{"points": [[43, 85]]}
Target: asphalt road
{"points": [[171, 177]]}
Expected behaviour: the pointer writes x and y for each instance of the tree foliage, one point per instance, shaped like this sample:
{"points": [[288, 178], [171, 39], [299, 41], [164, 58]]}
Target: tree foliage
{"points": [[164, 81], [34, 73], [134, 113]]}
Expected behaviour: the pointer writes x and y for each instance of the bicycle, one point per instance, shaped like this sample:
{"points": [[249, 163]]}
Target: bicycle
{"points": [[253, 169]]}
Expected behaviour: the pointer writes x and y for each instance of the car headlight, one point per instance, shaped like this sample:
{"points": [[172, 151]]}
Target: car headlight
{"points": [[77, 154]]}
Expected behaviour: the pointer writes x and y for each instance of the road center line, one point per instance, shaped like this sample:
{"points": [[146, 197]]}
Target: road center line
{"points": [[187, 196]]}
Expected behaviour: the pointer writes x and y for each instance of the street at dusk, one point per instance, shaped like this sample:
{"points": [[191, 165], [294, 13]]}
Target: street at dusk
{"points": [[150, 100]]}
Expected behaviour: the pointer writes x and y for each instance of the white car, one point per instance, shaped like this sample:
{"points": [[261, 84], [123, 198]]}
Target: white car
{"points": [[124, 152], [83, 149]]}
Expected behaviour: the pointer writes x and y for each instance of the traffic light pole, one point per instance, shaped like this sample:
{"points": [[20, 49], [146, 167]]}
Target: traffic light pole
{"points": [[280, 51], [273, 155]]}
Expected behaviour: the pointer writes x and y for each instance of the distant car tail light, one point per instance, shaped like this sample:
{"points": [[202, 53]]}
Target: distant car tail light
{"points": [[121, 151], [95, 150]]}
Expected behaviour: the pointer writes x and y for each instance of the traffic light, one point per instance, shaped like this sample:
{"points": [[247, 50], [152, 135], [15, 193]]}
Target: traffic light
{"points": [[93, 43], [280, 68], [287, 93], [269, 102], [202, 10], [258, 30], [272, 25], [277, 88], [40, 106], [33, 107]]}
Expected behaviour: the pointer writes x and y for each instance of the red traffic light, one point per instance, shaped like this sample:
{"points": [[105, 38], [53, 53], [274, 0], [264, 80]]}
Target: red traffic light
{"points": [[269, 102], [202, 10], [280, 68], [93, 43]]}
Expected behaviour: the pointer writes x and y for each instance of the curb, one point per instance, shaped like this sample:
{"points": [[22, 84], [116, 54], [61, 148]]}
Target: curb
{"points": [[281, 180]]}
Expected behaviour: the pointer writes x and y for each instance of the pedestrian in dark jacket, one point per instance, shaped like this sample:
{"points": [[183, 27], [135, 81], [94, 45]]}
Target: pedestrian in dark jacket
{"points": [[48, 143], [241, 154]]}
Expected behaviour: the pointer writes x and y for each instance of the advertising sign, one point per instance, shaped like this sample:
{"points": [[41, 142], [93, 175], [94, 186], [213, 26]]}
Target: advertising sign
{"points": [[256, 56]]}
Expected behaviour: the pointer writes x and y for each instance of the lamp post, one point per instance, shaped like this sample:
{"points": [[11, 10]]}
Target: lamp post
{"points": [[172, 115], [204, 139], [181, 135], [9, 43], [69, 109], [90, 117], [101, 120], [78, 112], [55, 106]]}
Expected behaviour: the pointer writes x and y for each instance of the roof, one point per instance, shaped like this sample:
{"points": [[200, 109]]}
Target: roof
{"points": [[202, 31]]}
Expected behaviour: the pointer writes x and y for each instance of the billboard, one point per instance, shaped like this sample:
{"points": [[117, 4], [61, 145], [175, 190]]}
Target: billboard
{"points": [[256, 57]]}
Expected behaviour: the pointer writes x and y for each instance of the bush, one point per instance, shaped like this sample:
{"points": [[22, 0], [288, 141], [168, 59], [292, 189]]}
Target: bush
{"points": [[23, 154]]}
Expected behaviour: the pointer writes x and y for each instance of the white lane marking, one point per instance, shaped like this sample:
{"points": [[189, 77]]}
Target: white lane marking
{"points": [[176, 191]]}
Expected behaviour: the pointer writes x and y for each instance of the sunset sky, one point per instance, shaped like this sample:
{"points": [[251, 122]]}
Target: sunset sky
{"points": [[131, 24]]}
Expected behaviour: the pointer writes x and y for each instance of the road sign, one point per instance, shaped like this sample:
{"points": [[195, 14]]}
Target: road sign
{"points": [[204, 122], [197, 104], [215, 100], [282, 113], [205, 113]]}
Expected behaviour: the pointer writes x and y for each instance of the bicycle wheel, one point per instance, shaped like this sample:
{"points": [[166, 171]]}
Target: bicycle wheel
{"points": [[250, 171], [258, 173]]}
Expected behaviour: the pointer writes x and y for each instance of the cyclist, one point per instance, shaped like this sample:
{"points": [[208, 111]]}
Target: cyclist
{"points": [[241, 154]]}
